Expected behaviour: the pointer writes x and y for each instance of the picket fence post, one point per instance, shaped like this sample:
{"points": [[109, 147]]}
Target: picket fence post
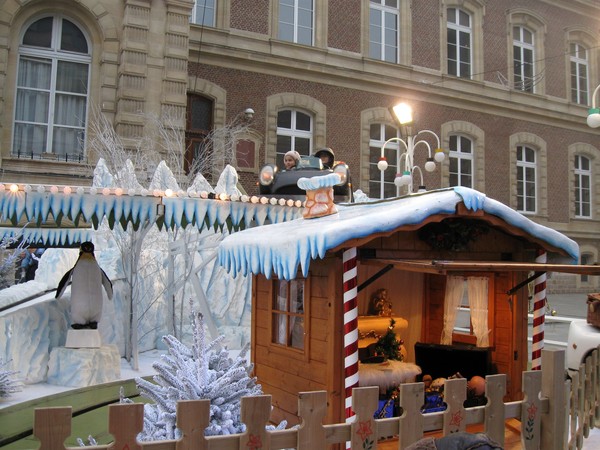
{"points": [[193, 417], [363, 430], [554, 387], [52, 426], [410, 429], [495, 409], [455, 415], [312, 407]]}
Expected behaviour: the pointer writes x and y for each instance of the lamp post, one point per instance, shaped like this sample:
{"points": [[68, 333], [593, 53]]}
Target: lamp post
{"points": [[402, 113], [593, 118]]}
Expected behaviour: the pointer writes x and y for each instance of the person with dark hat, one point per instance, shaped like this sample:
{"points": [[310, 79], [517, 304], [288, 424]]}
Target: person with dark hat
{"points": [[327, 157]]}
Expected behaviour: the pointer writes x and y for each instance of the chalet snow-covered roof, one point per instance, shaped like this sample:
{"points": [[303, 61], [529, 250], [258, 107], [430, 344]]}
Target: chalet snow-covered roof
{"points": [[282, 248]]}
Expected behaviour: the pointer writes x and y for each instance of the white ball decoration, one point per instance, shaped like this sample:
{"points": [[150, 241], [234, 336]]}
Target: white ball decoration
{"points": [[382, 165], [27, 188], [118, 191], [93, 191], [245, 198], [273, 201], [439, 155], [80, 190], [67, 190], [264, 200], [106, 191], [54, 189], [41, 189], [430, 166]]}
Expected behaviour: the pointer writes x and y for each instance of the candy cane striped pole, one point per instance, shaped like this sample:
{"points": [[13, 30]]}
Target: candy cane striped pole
{"points": [[539, 314], [350, 328]]}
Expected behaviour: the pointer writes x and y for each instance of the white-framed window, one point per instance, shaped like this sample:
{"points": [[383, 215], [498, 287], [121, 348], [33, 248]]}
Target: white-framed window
{"points": [[460, 161], [294, 132], [523, 59], [578, 58], [459, 43], [526, 179], [384, 22], [296, 21], [51, 95], [585, 259], [204, 12], [288, 313], [583, 187], [379, 134]]}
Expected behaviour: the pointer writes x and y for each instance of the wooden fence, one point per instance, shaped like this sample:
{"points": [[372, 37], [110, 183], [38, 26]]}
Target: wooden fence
{"points": [[544, 416]]}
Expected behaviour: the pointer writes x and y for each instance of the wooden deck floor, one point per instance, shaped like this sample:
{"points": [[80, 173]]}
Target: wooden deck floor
{"points": [[512, 436]]}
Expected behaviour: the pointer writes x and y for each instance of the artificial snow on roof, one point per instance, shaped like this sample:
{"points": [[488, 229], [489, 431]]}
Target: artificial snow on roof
{"points": [[282, 248]]}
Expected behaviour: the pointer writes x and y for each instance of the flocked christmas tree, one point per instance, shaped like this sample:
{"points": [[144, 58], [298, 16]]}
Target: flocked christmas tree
{"points": [[204, 371]]}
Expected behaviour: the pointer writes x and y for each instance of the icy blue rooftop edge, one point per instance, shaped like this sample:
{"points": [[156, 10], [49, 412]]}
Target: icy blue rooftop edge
{"points": [[283, 248]]}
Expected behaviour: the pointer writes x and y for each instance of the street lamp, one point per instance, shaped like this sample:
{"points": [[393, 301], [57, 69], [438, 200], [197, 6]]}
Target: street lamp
{"points": [[593, 118], [402, 113]]}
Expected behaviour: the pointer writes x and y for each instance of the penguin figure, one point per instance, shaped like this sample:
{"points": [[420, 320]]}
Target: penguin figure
{"points": [[87, 280]]}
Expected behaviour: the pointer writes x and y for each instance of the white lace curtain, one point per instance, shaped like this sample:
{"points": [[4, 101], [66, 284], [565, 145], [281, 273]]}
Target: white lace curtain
{"points": [[477, 290]]}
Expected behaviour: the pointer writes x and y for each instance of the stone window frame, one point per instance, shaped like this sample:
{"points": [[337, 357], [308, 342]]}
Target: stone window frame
{"points": [[301, 102], [587, 40], [476, 9], [320, 23], [593, 154], [404, 32], [368, 117], [477, 137], [535, 24], [540, 147]]}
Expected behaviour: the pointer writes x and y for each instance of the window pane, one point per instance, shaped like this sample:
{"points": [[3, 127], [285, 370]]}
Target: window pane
{"points": [[284, 119], [72, 39], [69, 110], [72, 77], [30, 139], [34, 73], [375, 131], [39, 33], [200, 114], [32, 106], [67, 142], [302, 145], [303, 121], [284, 144]]}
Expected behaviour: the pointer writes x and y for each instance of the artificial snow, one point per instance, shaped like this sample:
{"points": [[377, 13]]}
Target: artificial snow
{"points": [[282, 248]]}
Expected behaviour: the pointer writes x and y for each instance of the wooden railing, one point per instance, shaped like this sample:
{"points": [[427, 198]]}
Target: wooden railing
{"points": [[543, 414]]}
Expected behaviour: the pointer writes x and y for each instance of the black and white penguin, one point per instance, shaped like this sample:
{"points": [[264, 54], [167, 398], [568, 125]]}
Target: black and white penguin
{"points": [[87, 280]]}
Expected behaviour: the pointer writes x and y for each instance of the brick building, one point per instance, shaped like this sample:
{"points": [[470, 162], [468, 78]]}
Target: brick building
{"points": [[506, 85]]}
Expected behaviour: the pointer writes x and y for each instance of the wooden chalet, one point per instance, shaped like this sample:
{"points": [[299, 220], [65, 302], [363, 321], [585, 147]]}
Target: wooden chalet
{"points": [[410, 246]]}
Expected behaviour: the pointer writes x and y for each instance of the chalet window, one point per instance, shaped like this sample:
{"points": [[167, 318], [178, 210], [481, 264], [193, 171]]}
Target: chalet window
{"points": [[384, 20], [296, 19], [466, 311], [288, 313], [204, 12], [294, 132], [460, 161], [459, 43], [578, 58], [52, 90], [379, 133]]}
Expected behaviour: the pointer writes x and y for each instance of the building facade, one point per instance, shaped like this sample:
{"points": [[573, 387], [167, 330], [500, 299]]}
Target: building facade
{"points": [[506, 85]]}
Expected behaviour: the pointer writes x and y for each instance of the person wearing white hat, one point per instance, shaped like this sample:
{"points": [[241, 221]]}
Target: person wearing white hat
{"points": [[291, 159]]}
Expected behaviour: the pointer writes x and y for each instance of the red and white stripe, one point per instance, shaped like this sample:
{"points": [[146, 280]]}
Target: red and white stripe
{"points": [[539, 314], [350, 328]]}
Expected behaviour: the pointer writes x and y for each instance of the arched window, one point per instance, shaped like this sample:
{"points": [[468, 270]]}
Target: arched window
{"points": [[199, 122], [583, 187], [523, 58], [52, 90], [578, 58], [379, 134], [460, 161], [459, 35], [294, 132], [526, 179]]}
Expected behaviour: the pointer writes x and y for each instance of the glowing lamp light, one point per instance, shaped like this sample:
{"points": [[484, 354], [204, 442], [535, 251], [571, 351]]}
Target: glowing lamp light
{"points": [[169, 192], [254, 199], [403, 113], [204, 194], [298, 203], [593, 118], [281, 202], [67, 190], [106, 191], [223, 196], [2, 187], [290, 202], [54, 189], [14, 188], [382, 164], [264, 200], [118, 192]]}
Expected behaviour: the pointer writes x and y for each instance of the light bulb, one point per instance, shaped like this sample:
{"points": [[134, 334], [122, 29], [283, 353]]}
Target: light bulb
{"points": [[430, 165], [382, 164], [439, 155], [593, 118]]}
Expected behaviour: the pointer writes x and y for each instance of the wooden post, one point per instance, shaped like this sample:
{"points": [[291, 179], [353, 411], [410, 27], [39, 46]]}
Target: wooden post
{"points": [[52, 426], [412, 398], [255, 413], [555, 423], [193, 416], [125, 422], [531, 410], [495, 390], [312, 407], [455, 394], [363, 430]]}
